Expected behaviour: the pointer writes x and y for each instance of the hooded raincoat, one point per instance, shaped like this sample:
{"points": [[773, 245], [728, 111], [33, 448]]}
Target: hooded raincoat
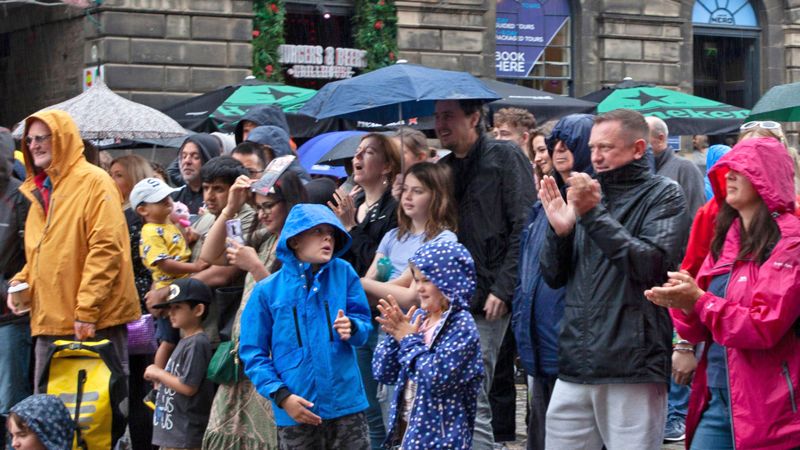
{"points": [[78, 250], [287, 338], [49, 420], [278, 140], [538, 308], [448, 372], [262, 115], [209, 148], [757, 321]]}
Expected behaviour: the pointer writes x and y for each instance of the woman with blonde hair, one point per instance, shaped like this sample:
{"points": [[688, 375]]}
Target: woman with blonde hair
{"points": [[126, 171]]}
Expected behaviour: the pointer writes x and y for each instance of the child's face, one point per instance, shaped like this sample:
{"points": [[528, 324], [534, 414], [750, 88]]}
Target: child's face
{"points": [[23, 439], [416, 198], [314, 245], [156, 212], [182, 315], [431, 298]]}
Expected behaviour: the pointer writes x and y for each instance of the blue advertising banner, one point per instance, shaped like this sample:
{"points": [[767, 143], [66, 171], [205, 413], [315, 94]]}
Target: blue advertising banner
{"points": [[522, 31]]}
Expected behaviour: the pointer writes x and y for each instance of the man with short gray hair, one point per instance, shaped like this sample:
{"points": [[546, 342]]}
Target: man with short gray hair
{"points": [[612, 238]]}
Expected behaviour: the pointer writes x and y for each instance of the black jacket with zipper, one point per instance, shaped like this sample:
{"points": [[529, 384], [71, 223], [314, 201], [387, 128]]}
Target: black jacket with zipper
{"points": [[494, 191], [610, 332]]}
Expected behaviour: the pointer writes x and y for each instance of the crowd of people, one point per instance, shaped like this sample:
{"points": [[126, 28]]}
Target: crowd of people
{"points": [[645, 295]]}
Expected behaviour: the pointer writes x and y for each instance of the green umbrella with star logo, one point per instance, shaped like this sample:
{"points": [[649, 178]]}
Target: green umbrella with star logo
{"points": [[684, 114]]}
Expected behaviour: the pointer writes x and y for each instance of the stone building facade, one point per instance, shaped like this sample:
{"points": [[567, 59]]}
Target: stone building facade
{"points": [[160, 51]]}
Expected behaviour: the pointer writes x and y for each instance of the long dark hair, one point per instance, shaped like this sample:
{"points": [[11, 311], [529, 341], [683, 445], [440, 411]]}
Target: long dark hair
{"points": [[756, 243], [442, 210]]}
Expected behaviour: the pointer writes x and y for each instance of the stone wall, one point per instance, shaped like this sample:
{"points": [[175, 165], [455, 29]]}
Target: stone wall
{"points": [[454, 34], [157, 52], [38, 63]]}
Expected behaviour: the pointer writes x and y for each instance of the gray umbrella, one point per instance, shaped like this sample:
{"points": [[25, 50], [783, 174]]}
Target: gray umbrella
{"points": [[99, 113]]}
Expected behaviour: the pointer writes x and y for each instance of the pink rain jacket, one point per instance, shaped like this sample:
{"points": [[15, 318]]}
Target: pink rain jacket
{"points": [[756, 319]]}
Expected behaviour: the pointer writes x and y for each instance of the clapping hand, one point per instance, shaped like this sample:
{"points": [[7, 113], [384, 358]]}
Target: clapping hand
{"points": [[344, 207], [680, 291], [560, 215], [394, 322]]}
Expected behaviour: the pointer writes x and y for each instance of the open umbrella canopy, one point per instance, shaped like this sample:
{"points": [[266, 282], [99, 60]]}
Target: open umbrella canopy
{"points": [[781, 103], [312, 152], [400, 91], [684, 114], [543, 105], [221, 109], [99, 113]]}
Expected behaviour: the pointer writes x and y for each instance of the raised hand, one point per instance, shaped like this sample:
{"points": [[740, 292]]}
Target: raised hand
{"points": [[344, 207], [560, 215], [396, 323], [583, 193], [343, 326]]}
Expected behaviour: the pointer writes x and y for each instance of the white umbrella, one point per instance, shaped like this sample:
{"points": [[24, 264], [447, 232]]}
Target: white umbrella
{"points": [[99, 113]]}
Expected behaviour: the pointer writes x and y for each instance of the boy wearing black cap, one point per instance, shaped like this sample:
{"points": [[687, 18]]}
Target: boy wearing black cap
{"points": [[184, 394]]}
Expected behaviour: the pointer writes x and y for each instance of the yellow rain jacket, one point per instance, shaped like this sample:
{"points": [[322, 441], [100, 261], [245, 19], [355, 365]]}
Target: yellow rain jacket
{"points": [[78, 254]]}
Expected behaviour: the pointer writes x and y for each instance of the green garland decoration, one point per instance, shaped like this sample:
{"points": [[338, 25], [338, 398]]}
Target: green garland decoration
{"points": [[267, 36], [375, 30]]}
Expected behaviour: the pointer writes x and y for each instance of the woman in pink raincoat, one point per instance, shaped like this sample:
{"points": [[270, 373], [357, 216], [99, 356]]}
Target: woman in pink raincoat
{"points": [[745, 306]]}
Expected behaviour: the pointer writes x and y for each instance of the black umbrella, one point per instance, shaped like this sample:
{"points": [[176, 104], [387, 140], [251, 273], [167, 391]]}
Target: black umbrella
{"points": [[543, 105], [198, 113]]}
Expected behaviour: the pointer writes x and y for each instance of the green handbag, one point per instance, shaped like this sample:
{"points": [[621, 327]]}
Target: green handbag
{"points": [[224, 365]]}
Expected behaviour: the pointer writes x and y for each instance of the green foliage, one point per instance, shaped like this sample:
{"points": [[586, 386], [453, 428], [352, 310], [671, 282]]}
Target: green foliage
{"points": [[267, 36], [375, 30]]}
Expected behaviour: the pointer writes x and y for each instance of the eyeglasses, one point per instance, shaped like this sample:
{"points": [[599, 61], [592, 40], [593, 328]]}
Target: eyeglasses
{"points": [[254, 172], [267, 206], [765, 124], [38, 139]]}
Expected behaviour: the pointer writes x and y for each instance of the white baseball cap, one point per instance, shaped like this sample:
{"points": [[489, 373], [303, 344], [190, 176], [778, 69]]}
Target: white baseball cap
{"points": [[150, 190]]}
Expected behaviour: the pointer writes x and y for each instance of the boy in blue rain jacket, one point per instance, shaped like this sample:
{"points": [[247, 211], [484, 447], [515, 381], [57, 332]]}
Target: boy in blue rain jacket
{"points": [[433, 355], [299, 330]]}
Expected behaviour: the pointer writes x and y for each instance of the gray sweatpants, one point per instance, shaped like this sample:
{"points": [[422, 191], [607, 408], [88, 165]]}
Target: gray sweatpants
{"points": [[619, 416]]}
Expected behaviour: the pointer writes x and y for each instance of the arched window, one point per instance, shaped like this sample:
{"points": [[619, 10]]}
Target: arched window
{"points": [[724, 13], [534, 43]]}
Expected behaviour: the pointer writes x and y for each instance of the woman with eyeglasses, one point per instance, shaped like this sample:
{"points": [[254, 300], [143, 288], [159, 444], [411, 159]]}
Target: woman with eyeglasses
{"points": [[744, 306], [240, 417]]}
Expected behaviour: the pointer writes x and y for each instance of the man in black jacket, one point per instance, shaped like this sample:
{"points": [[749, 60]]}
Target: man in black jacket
{"points": [[613, 237], [494, 191], [15, 331]]}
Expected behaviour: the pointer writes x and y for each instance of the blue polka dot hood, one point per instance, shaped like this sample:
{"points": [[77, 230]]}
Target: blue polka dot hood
{"points": [[450, 268], [49, 419]]}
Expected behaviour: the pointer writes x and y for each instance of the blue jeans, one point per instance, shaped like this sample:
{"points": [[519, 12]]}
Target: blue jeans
{"points": [[714, 431], [377, 431], [678, 400], [15, 364]]}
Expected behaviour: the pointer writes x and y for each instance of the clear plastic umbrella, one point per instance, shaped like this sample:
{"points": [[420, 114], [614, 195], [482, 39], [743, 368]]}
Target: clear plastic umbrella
{"points": [[99, 113]]}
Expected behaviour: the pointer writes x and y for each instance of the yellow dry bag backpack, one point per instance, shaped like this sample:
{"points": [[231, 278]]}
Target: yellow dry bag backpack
{"points": [[88, 378]]}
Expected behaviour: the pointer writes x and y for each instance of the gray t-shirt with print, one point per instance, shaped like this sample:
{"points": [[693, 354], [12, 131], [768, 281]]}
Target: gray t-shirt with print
{"points": [[180, 421]]}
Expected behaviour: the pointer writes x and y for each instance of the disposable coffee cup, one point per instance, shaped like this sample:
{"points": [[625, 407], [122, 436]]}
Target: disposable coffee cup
{"points": [[20, 297]]}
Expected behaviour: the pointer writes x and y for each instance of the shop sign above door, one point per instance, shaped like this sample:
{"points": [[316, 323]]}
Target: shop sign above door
{"points": [[314, 61]]}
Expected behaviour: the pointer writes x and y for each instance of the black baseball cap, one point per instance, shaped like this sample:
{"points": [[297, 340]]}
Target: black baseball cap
{"points": [[187, 290]]}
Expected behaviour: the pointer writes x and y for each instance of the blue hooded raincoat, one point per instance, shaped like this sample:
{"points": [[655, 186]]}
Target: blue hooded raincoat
{"points": [[715, 152], [287, 338], [449, 372]]}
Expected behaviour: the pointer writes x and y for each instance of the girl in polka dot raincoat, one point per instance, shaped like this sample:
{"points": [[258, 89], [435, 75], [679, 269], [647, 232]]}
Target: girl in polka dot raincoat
{"points": [[432, 354]]}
